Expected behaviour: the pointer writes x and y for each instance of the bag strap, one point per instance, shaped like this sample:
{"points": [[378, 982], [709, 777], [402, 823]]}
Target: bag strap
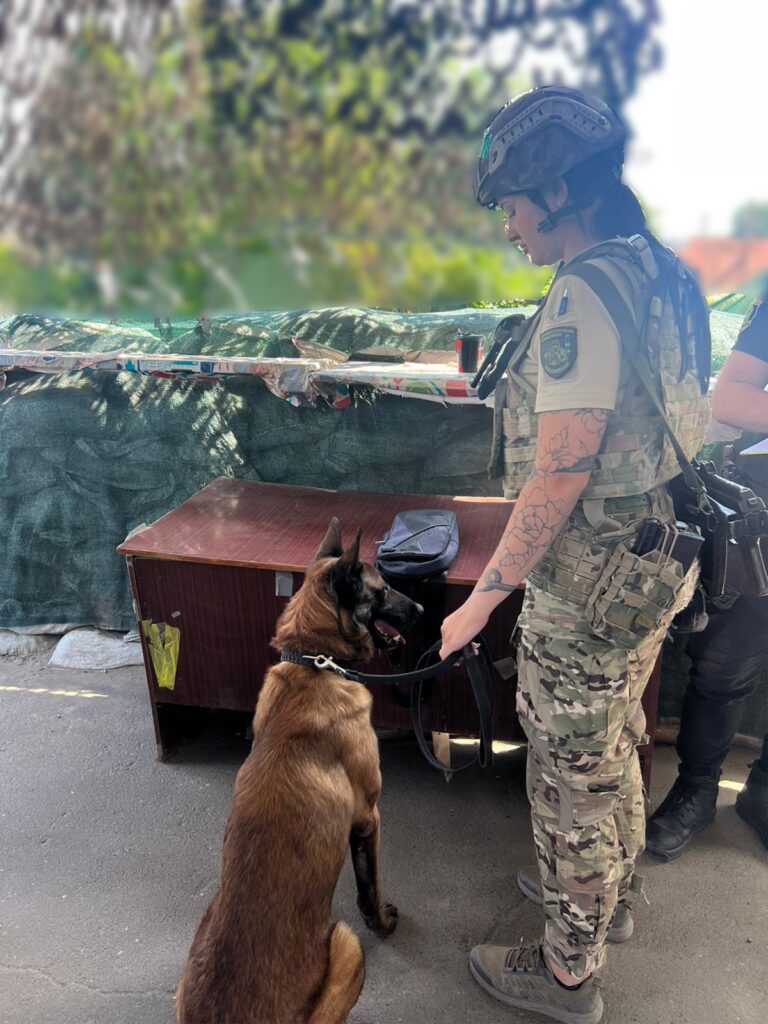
{"points": [[629, 335]]}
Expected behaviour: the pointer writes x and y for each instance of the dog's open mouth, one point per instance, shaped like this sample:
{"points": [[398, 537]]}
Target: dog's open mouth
{"points": [[387, 634]]}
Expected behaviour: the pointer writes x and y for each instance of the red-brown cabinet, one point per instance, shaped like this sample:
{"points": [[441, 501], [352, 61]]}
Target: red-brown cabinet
{"points": [[210, 578]]}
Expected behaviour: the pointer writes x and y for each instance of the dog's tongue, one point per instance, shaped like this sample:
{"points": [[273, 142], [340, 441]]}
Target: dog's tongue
{"points": [[388, 631]]}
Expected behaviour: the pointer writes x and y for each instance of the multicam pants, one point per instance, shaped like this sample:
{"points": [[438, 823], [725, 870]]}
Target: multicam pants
{"points": [[579, 703]]}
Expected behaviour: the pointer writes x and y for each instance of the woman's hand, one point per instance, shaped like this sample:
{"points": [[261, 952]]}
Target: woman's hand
{"points": [[463, 625]]}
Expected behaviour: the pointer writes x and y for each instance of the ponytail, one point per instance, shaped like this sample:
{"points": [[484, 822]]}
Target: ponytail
{"points": [[620, 215]]}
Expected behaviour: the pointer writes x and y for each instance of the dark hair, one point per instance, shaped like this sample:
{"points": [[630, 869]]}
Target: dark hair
{"points": [[620, 215]]}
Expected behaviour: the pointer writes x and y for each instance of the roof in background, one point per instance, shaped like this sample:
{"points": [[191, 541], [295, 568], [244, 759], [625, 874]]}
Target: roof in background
{"points": [[726, 264]]}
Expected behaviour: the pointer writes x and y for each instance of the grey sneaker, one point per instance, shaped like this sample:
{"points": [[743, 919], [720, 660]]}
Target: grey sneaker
{"points": [[518, 976], [622, 924]]}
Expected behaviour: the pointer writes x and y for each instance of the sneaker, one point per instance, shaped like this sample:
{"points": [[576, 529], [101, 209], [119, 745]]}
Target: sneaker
{"points": [[687, 809], [622, 925], [752, 801], [519, 976]]}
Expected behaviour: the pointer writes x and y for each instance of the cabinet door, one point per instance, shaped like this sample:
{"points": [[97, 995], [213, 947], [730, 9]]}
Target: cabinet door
{"points": [[225, 616]]}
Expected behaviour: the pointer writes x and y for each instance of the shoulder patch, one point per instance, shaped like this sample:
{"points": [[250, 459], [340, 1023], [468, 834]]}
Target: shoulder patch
{"points": [[753, 335], [558, 349], [752, 312]]}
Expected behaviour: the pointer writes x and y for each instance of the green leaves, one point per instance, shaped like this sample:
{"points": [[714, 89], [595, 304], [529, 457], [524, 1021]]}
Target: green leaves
{"points": [[338, 133]]}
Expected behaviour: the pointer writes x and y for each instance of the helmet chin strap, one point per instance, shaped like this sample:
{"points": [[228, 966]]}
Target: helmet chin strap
{"points": [[544, 227], [550, 222]]}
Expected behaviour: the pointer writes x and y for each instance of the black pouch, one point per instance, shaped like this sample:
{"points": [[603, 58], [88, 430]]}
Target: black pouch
{"points": [[419, 543]]}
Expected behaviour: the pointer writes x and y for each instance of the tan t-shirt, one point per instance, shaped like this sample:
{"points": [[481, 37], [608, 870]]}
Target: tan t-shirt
{"points": [[574, 359]]}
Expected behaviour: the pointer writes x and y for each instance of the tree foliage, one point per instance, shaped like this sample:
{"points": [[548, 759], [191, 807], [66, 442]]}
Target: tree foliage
{"points": [[403, 68], [165, 143], [751, 221]]}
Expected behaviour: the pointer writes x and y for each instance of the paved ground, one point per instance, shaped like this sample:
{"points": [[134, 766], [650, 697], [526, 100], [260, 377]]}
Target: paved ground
{"points": [[108, 860]]}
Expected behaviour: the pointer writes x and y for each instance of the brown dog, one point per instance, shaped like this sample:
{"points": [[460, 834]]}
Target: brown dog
{"points": [[266, 951]]}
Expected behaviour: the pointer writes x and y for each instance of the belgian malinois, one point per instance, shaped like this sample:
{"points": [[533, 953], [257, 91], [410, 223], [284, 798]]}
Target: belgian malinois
{"points": [[267, 951]]}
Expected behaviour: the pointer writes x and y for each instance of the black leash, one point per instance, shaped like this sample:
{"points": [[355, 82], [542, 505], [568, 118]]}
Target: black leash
{"points": [[479, 663], [481, 672]]}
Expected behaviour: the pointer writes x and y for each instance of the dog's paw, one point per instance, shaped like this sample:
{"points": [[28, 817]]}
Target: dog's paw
{"points": [[386, 920]]}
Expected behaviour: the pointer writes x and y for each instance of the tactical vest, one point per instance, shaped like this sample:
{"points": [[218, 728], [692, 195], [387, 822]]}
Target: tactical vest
{"points": [[635, 456]]}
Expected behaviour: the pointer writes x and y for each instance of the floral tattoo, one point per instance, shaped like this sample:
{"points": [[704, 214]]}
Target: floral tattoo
{"points": [[540, 512]]}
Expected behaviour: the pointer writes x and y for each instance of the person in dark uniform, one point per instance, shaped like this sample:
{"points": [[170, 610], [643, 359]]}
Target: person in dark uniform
{"points": [[730, 657]]}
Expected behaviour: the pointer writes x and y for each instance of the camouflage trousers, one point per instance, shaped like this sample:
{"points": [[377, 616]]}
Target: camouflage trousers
{"points": [[579, 702]]}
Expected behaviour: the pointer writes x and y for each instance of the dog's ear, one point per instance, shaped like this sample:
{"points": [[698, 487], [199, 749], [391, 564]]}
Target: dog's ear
{"points": [[345, 576], [350, 560], [331, 543]]}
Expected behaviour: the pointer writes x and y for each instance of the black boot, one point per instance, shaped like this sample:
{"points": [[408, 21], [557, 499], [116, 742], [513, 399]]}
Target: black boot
{"points": [[687, 809], [752, 801]]}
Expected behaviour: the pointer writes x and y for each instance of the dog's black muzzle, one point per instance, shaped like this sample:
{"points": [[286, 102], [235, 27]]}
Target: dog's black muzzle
{"points": [[387, 622]]}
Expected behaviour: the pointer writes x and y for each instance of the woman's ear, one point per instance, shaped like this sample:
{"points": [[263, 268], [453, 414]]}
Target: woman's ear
{"points": [[556, 194]]}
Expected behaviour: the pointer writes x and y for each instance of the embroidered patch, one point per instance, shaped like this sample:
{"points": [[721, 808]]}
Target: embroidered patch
{"points": [[558, 350]]}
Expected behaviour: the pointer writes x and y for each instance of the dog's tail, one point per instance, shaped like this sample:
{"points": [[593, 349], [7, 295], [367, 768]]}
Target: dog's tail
{"points": [[344, 978], [177, 999]]}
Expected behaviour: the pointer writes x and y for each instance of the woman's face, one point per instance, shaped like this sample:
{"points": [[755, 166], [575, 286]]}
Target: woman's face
{"points": [[521, 220]]}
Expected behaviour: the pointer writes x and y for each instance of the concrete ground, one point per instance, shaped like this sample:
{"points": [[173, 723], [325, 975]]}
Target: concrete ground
{"points": [[108, 860]]}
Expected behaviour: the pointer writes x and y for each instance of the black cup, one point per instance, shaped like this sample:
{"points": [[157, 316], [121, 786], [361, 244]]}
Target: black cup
{"points": [[468, 346]]}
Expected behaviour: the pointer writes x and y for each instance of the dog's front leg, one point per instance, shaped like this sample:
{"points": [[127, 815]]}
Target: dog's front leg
{"points": [[364, 844]]}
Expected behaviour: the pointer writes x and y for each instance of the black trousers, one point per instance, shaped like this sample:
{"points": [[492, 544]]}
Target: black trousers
{"points": [[729, 658]]}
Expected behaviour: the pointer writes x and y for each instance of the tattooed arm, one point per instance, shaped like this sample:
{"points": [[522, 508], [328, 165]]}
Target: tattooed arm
{"points": [[565, 456]]}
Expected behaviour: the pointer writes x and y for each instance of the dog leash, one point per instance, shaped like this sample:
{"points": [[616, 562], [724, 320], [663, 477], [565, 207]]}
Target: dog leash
{"points": [[479, 664]]}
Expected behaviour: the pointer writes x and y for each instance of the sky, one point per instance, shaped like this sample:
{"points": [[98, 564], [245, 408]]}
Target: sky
{"points": [[698, 152]]}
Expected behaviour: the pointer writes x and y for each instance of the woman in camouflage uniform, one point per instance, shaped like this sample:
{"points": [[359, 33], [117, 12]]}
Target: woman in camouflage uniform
{"points": [[582, 449]]}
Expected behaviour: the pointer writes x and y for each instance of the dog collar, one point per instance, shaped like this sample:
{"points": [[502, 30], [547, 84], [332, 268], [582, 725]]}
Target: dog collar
{"points": [[293, 655], [319, 661]]}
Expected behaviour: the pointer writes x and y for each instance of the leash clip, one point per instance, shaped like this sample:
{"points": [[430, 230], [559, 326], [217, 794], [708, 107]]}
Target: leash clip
{"points": [[323, 662]]}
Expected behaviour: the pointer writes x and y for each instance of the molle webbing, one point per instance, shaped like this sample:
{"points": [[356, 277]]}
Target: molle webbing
{"points": [[635, 455], [573, 562]]}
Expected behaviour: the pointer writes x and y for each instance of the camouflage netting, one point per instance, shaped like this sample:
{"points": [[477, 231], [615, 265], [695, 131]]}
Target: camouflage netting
{"points": [[86, 456], [270, 333], [266, 333]]}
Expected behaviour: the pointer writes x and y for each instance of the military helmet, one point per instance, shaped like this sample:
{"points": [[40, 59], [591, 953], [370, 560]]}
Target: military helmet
{"points": [[541, 135]]}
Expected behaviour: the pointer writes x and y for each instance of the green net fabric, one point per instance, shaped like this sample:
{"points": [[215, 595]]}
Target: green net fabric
{"points": [[87, 456], [265, 333]]}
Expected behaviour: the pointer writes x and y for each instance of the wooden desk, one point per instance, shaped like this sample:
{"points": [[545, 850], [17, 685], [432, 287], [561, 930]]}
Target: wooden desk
{"points": [[210, 567]]}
